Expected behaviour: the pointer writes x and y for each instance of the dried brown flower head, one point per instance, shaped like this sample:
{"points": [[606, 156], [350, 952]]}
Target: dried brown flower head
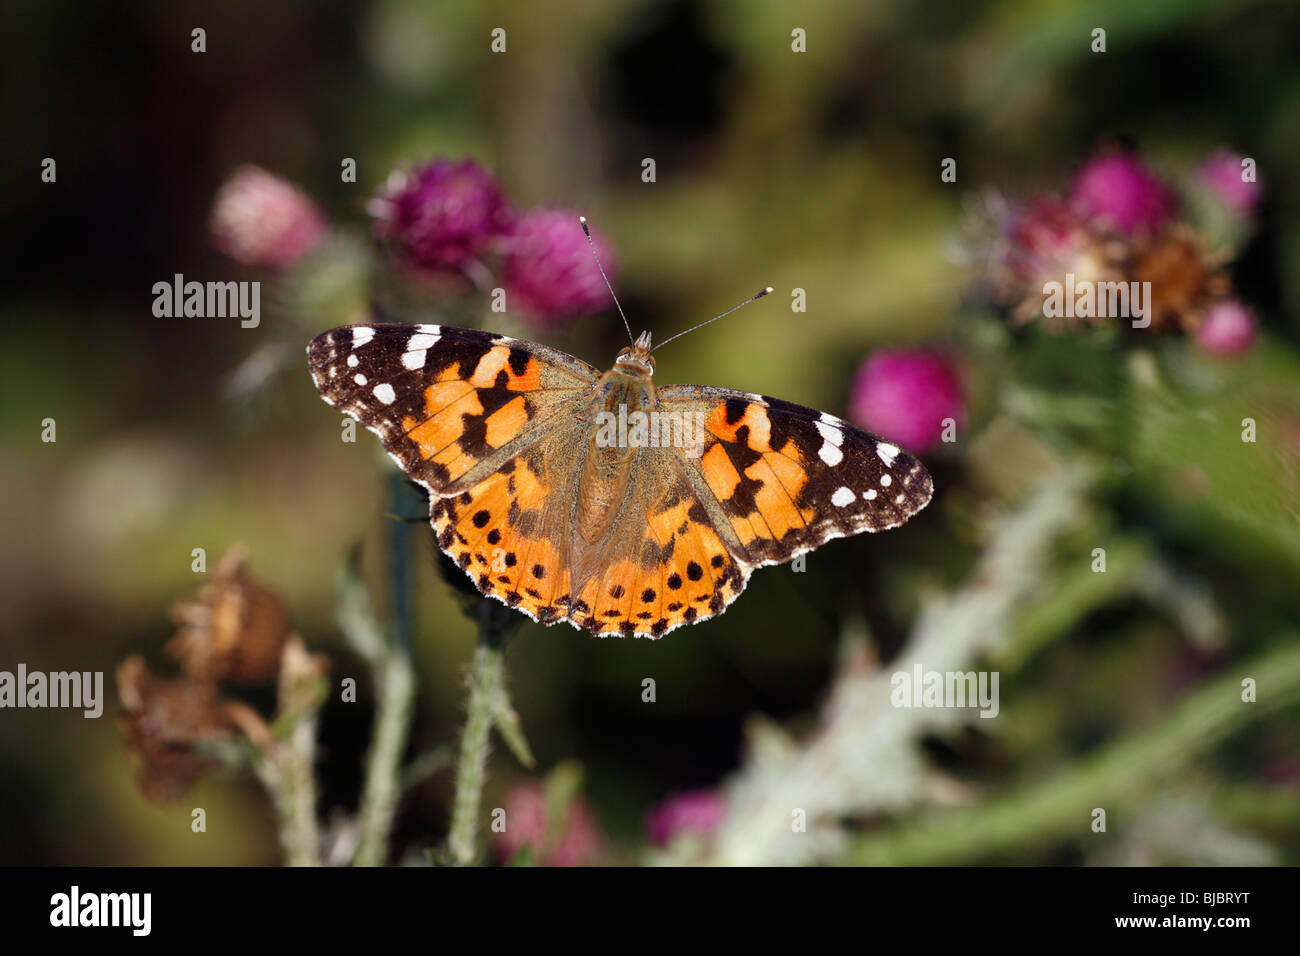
{"points": [[1185, 278], [234, 629], [166, 721]]}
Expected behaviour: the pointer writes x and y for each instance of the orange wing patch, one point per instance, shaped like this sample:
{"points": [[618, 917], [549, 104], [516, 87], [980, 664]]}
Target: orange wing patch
{"points": [[759, 486], [438, 437], [719, 472], [507, 422], [776, 496], [451, 405], [497, 360], [754, 419]]}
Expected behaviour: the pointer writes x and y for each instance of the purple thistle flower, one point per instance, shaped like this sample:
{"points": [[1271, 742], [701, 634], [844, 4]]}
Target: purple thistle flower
{"points": [[261, 220], [548, 269], [1044, 238], [695, 811], [1116, 189], [1222, 174], [1038, 240], [1227, 328], [905, 396], [442, 214]]}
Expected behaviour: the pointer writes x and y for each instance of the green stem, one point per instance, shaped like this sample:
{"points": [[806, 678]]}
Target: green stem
{"points": [[486, 687], [301, 778], [395, 685], [383, 788], [1111, 779], [286, 774]]}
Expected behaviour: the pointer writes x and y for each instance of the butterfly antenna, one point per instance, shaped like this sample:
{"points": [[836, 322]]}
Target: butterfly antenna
{"points": [[596, 255], [756, 295]]}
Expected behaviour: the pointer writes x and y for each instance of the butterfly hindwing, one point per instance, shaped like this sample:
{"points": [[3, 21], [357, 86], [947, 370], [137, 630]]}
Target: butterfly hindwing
{"points": [[497, 532], [671, 566]]}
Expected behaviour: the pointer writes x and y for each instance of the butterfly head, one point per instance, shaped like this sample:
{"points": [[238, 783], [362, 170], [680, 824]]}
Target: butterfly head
{"points": [[636, 358]]}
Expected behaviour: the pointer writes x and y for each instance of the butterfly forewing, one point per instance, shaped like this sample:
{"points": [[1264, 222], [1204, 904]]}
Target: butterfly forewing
{"points": [[449, 404], [788, 478]]}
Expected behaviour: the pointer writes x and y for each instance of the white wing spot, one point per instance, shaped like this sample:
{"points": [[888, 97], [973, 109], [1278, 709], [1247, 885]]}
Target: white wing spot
{"points": [[842, 497], [886, 481], [360, 379], [418, 345], [830, 433], [361, 335], [900, 499], [353, 361], [423, 340], [887, 453], [385, 393], [869, 494], [832, 438]]}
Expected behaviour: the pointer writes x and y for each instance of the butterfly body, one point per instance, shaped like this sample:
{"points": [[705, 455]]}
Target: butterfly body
{"points": [[596, 498], [606, 467]]}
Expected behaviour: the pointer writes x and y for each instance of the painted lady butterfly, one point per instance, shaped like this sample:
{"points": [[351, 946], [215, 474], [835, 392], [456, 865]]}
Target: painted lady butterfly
{"points": [[598, 499]]}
